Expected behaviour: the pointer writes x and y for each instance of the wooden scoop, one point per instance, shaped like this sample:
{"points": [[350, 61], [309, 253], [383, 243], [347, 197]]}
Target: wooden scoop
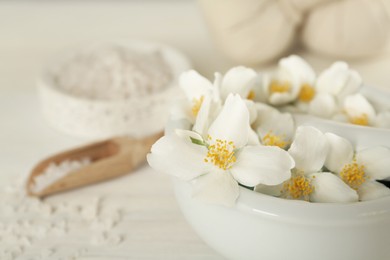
{"points": [[109, 159]]}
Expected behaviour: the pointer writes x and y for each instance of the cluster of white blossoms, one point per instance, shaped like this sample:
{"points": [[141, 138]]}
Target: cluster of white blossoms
{"points": [[221, 136], [333, 94]]}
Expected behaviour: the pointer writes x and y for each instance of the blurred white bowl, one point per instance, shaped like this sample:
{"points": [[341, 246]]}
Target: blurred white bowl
{"points": [[264, 227], [97, 119]]}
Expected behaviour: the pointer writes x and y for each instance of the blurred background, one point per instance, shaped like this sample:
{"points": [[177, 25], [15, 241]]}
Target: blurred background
{"points": [[215, 36]]}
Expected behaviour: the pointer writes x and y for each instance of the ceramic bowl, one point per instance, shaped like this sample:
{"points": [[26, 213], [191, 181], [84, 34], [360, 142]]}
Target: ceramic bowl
{"points": [[98, 118], [268, 228]]}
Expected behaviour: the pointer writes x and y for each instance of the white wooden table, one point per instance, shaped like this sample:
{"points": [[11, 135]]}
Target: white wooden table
{"points": [[31, 33]]}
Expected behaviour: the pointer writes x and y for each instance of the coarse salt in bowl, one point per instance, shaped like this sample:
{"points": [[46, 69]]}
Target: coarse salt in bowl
{"points": [[110, 89]]}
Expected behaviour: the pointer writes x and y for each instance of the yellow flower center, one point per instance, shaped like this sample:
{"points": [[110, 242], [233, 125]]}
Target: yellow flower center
{"points": [[359, 120], [251, 95], [353, 174], [297, 187], [307, 93], [221, 154], [196, 104], [279, 87], [271, 139]]}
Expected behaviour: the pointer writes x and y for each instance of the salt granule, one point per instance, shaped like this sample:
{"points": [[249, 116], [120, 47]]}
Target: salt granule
{"points": [[112, 72], [55, 172]]}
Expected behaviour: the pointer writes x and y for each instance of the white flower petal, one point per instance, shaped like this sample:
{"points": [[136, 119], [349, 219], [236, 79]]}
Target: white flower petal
{"points": [[176, 156], [271, 120], [262, 111], [332, 80], [340, 152], [217, 84], [266, 80], [262, 165], [309, 149], [253, 138], [383, 120], [357, 105], [181, 109], [217, 187], [237, 81], [194, 85], [278, 99], [376, 162], [323, 105], [281, 98], [372, 190], [252, 110], [330, 188], [186, 135], [202, 121], [272, 190], [352, 85], [338, 80], [232, 123], [297, 68], [258, 88]]}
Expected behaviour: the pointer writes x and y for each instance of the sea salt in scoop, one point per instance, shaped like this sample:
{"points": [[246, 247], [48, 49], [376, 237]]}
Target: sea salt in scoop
{"points": [[88, 164], [55, 172]]}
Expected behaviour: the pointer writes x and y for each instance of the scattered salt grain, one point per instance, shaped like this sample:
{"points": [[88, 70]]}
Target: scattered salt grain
{"points": [[91, 211], [47, 252], [55, 172], [105, 238], [45, 209], [24, 240], [114, 239], [59, 228], [99, 239]]}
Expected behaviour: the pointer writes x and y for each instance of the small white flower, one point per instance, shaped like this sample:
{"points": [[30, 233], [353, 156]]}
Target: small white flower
{"points": [[323, 105], [339, 81], [294, 79], [238, 80], [258, 91], [358, 110], [195, 88], [273, 127], [359, 170], [223, 160], [253, 138], [332, 86], [208, 111], [309, 150]]}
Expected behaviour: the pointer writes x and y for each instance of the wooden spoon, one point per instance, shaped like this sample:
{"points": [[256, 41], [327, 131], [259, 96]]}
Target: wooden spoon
{"points": [[109, 159]]}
